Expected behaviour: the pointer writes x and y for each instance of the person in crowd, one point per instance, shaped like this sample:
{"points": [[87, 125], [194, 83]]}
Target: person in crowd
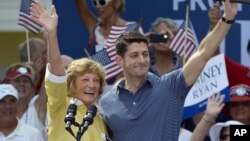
{"points": [[233, 67], [165, 60], [148, 107], [37, 54], [10, 127], [221, 131], [215, 105], [107, 23], [31, 107], [238, 107], [106, 27], [218, 131], [191, 123], [66, 60], [81, 85]]}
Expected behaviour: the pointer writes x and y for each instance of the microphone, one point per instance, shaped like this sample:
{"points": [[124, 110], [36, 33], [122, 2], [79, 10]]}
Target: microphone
{"points": [[89, 117], [238, 1], [70, 117]]}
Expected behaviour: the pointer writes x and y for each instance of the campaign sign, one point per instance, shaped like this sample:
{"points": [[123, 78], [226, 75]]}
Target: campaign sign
{"points": [[213, 79]]}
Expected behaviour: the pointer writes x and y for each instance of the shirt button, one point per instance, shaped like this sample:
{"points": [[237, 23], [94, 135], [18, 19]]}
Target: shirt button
{"points": [[134, 103]]}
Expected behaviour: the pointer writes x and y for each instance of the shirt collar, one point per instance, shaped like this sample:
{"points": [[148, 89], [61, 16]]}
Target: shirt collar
{"points": [[75, 101], [151, 79]]}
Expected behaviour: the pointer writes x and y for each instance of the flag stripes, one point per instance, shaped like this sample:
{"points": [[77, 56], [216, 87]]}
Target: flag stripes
{"points": [[106, 56], [184, 41], [24, 17]]}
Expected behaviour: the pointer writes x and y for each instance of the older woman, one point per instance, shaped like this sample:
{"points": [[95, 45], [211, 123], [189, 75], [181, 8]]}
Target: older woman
{"points": [[165, 60], [82, 84]]}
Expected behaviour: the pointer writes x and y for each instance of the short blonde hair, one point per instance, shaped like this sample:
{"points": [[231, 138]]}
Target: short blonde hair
{"points": [[83, 66]]}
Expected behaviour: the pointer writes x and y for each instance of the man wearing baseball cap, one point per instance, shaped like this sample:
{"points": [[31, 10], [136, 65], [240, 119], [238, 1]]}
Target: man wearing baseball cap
{"points": [[10, 127], [31, 106]]}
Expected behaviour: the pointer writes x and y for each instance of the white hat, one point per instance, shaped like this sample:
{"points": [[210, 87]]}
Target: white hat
{"points": [[7, 89], [215, 130]]}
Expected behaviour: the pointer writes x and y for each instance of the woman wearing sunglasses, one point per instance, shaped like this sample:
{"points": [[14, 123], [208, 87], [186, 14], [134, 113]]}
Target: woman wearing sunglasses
{"points": [[106, 24]]}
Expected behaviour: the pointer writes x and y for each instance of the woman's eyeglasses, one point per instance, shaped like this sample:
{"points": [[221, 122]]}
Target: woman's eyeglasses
{"points": [[100, 3]]}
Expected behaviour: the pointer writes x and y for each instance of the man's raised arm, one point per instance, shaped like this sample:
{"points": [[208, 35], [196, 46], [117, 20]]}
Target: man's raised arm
{"points": [[209, 44]]}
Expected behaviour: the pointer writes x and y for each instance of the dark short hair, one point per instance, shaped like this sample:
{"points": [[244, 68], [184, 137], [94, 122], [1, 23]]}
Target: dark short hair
{"points": [[126, 39]]}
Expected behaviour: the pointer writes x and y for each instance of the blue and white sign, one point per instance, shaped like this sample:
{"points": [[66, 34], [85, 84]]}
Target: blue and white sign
{"points": [[213, 79]]}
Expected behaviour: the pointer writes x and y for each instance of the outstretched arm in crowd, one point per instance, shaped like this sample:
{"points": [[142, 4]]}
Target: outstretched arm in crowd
{"points": [[214, 106], [209, 45], [86, 15], [49, 22]]}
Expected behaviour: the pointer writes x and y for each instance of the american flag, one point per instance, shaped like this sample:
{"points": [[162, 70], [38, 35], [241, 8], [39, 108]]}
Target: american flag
{"points": [[184, 42], [106, 57], [111, 67], [25, 20], [115, 33], [133, 27]]}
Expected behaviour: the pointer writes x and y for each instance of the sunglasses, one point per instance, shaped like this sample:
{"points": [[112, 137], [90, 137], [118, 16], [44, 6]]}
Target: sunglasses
{"points": [[100, 3], [240, 91], [224, 137]]}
